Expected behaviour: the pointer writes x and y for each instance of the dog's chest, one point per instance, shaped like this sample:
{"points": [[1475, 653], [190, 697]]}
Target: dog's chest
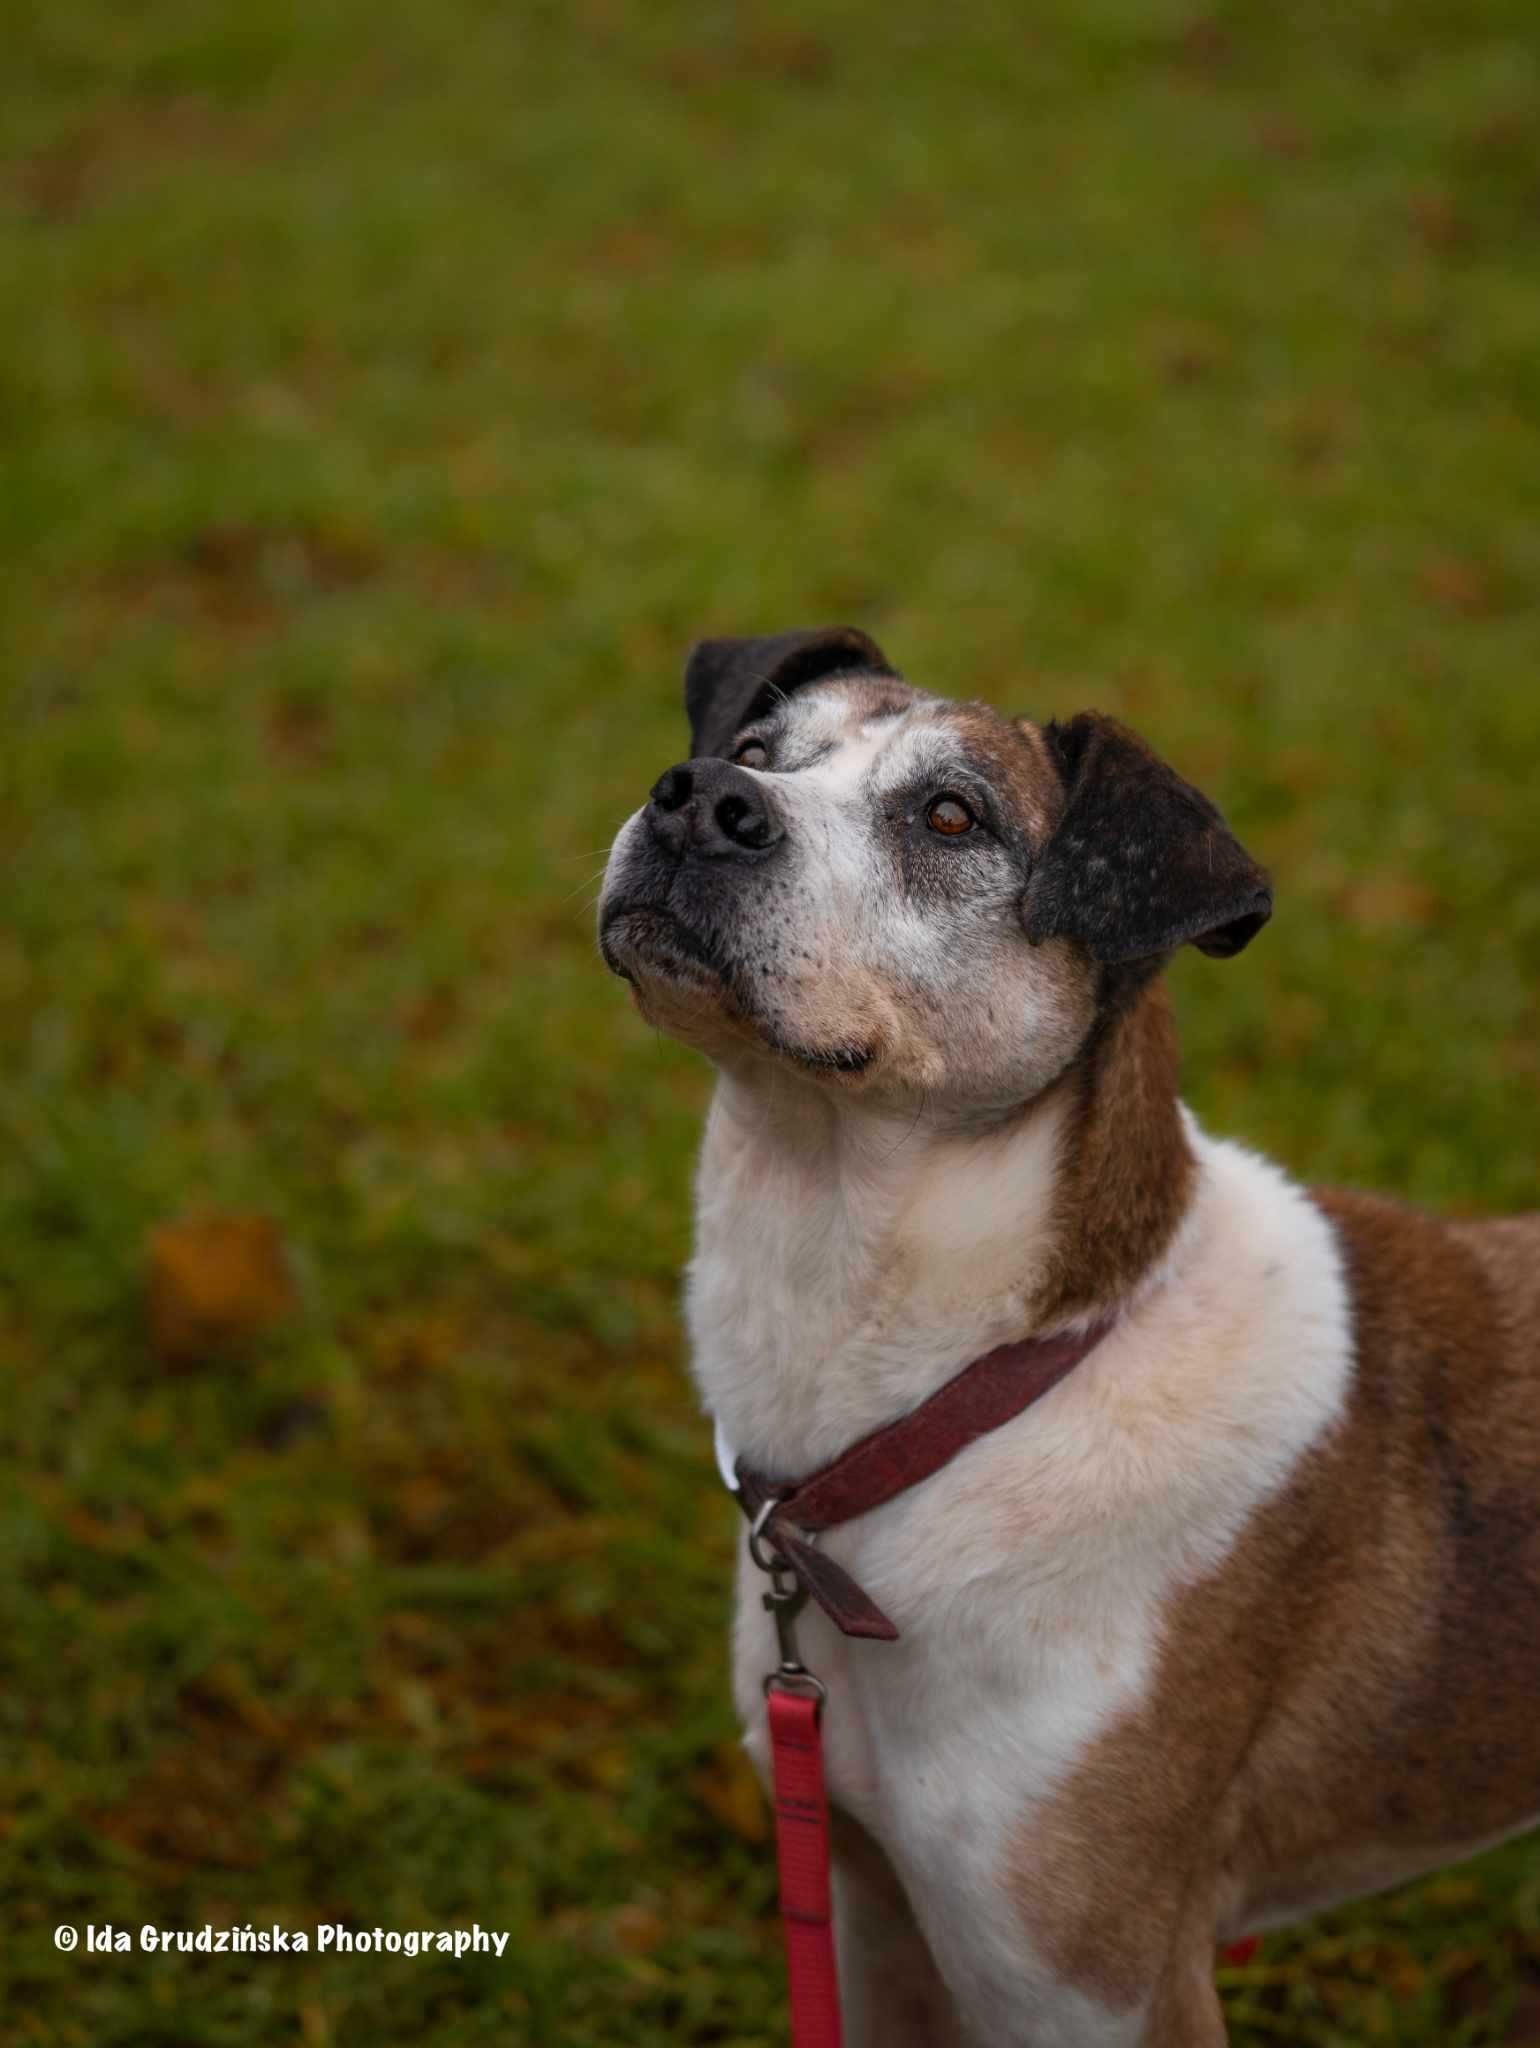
{"points": [[1032, 1578], [1028, 1599], [938, 1743]]}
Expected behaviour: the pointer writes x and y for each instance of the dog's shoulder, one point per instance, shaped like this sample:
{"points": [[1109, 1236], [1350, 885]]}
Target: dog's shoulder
{"points": [[1436, 1302], [1446, 1324], [1508, 1248]]}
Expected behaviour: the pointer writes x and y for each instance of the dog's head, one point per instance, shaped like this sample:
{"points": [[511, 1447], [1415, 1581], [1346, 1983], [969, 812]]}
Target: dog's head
{"points": [[890, 890]]}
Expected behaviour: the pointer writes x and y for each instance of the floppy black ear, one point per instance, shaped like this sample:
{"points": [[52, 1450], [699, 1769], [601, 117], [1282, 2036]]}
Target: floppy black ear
{"points": [[1141, 861], [727, 683]]}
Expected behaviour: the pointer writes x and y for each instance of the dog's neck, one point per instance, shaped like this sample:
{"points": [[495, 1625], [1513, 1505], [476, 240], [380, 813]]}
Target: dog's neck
{"points": [[849, 1259], [1126, 1164]]}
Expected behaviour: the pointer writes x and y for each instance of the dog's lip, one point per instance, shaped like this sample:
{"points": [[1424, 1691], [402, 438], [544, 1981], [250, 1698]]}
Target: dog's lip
{"points": [[694, 945], [830, 1059], [701, 954]]}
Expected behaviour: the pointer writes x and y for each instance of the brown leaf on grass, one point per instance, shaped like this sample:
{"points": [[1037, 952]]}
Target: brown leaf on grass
{"points": [[433, 1015], [1204, 47], [1283, 135], [637, 1929], [1314, 428], [299, 728], [556, 1731], [214, 1284], [1299, 1023], [239, 559], [1438, 221], [1519, 1058], [421, 1501], [1460, 584], [120, 1536], [206, 1797], [783, 56], [240, 577], [53, 184], [1390, 902], [731, 1794]]}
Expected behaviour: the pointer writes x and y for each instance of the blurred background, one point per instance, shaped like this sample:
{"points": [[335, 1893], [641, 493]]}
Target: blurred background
{"points": [[391, 393]]}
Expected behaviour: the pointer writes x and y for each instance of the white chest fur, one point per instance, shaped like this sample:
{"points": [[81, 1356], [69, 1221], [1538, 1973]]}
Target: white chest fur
{"points": [[1029, 1578]]}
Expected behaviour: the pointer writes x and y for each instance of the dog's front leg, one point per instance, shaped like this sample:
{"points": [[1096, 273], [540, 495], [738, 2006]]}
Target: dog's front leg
{"points": [[1186, 2012], [891, 1993], [1012, 1985], [1183, 2011]]}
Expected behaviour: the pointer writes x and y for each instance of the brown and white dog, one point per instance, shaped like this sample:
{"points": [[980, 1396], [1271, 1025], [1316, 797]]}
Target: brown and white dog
{"points": [[1243, 1617]]}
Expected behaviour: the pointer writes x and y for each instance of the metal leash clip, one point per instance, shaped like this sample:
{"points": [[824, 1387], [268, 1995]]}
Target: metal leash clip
{"points": [[784, 1602]]}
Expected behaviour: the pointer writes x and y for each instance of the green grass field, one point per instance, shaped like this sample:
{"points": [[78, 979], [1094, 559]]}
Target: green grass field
{"points": [[390, 394]]}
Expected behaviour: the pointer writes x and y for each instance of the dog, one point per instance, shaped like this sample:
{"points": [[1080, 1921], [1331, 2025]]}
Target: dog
{"points": [[1242, 1618]]}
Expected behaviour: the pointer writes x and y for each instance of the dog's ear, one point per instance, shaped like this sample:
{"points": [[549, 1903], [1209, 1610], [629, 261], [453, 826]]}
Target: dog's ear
{"points": [[1140, 861], [728, 683]]}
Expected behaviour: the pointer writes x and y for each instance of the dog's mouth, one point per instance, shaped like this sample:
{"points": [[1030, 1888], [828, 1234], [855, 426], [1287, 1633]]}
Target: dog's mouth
{"points": [[646, 937], [824, 1059], [644, 941]]}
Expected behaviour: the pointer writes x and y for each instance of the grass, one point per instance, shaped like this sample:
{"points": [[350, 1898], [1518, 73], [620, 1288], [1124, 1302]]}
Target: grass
{"points": [[390, 394]]}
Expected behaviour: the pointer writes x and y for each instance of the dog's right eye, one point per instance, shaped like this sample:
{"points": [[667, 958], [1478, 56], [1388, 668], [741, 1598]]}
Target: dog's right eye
{"points": [[752, 754]]}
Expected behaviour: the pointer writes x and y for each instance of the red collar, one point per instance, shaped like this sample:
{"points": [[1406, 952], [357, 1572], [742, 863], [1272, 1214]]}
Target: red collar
{"points": [[991, 1391]]}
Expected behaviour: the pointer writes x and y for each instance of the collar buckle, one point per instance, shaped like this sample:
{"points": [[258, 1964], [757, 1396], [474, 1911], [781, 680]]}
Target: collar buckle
{"points": [[784, 1603]]}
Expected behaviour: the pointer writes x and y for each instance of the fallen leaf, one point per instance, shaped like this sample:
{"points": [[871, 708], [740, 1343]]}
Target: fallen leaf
{"points": [[1389, 902], [731, 1794], [637, 1929], [1457, 583], [214, 1283]]}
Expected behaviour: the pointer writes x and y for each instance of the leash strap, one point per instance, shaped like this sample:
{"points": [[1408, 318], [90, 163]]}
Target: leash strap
{"points": [[802, 1854]]}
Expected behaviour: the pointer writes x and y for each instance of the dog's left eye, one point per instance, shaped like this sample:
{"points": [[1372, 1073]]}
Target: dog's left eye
{"points": [[950, 816], [752, 754]]}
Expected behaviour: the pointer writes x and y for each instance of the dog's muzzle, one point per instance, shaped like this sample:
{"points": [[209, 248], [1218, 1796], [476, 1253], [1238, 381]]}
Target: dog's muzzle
{"points": [[672, 899]]}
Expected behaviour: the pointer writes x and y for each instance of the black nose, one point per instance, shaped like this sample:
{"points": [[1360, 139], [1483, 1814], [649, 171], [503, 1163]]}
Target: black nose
{"points": [[712, 808]]}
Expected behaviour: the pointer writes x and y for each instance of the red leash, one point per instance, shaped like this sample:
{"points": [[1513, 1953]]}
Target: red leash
{"points": [[802, 1852]]}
